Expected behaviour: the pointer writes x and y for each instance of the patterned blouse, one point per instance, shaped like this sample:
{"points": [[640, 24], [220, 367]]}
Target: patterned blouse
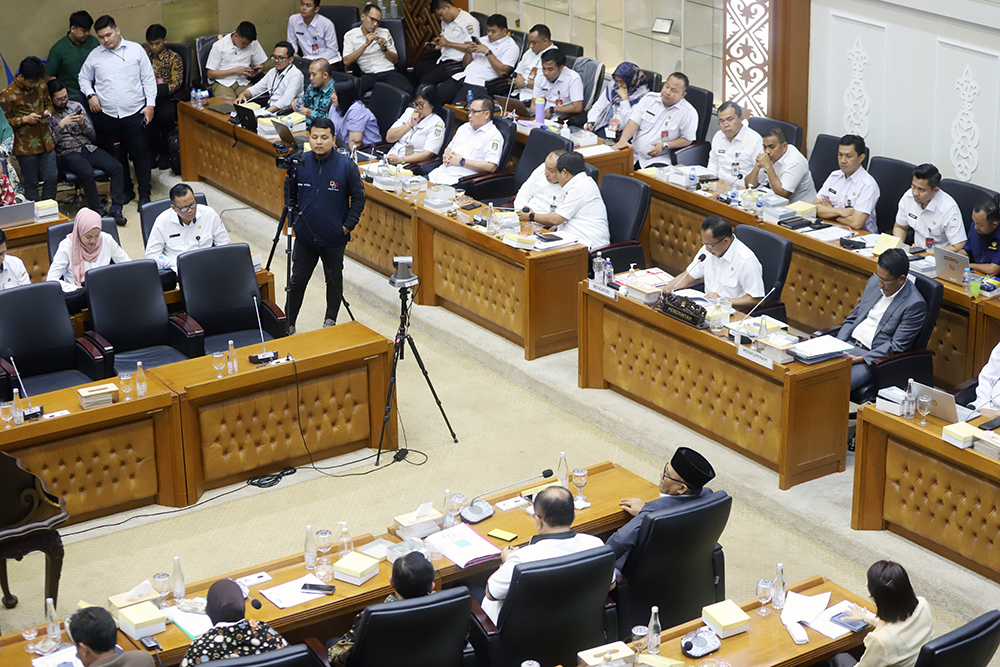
{"points": [[29, 139], [168, 68], [317, 101], [233, 640]]}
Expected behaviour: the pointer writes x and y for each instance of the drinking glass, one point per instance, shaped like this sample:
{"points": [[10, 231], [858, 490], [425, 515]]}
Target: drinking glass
{"points": [[29, 633], [125, 379], [324, 542], [924, 408], [324, 572], [580, 481], [6, 413], [765, 589], [639, 633], [161, 584], [218, 362]]}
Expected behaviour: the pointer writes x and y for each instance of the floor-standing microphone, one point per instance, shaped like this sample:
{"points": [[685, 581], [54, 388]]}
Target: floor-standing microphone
{"points": [[32, 412], [264, 357], [479, 509]]}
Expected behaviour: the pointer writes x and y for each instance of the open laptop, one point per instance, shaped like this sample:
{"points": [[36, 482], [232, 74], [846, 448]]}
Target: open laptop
{"points": [[245, 117], [17, 214], [942, 403], [949, 265]]}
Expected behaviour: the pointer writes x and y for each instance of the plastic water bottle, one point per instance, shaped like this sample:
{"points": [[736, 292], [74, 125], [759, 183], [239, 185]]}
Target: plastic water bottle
{"points": [[232, 366], [778, 599], [468, 98], [52, 622], [562, 470], [967, 280], [760, 208], [609, 271], [140, 380], [310, 549], [653, 637], [177, 581], [448, 515], [909, 406], [734, 195], [18, 408], [393, 9], [599, 267], [692, 179], [345, 544]]}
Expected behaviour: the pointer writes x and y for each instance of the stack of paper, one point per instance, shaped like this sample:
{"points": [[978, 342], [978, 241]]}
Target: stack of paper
{"points": [[191, 624], [523, 241], [725, 618], [803, 208], [46, 210], [355, 568], [290, 593], [988, 443], [885, 242], [827, 234], [819, 349], [962, 434], [463, 546]]}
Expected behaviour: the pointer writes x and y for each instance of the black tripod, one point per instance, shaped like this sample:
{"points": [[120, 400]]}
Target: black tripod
{"points": [[403, 335]]}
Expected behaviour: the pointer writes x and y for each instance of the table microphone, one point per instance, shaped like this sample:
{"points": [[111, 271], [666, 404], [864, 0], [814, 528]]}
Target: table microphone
{"points": [[506, 101], [739, 324], [31, 413], [264, 357], [479, 509], [701, 258]]}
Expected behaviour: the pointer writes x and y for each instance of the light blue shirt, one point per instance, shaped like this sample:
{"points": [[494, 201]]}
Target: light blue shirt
{"points": [[123, 79], [357, 119]]}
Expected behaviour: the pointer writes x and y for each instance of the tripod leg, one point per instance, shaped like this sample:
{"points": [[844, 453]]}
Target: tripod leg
{"points": [[277, 237], [423, 369], [347, 307], [388, 398]]}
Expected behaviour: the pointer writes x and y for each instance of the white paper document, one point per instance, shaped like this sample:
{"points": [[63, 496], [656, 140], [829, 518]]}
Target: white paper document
{"points": [[597, 149], [290, 594], [193, 625], [815, 347], [462, 545], [66, 655], [828, 234], [803, 608], [552, 245], [824, 625]]}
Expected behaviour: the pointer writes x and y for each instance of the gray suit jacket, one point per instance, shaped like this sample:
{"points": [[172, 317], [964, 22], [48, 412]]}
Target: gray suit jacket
{"points": [[126, 659], [900, 325], [625, 537]]}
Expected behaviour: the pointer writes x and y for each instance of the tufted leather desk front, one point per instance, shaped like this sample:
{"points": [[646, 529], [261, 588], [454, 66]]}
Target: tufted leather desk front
{"points": [[910, 481], [236, 427], [790, 418], [824, 281], [30, 244]]}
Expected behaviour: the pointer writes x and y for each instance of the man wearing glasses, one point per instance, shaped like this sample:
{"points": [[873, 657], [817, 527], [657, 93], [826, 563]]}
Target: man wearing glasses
{"points": [[888, 316], [735, 146], [475, 148], [182, 227], [683, 480], [371, 48], [729, 268], [282, 84]]}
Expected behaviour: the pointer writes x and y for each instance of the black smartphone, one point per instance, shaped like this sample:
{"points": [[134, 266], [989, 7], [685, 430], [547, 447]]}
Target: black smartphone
{"points": [[471, 205], [318, 588], [914, 249], [844, 622], [819, 224], [475, 39], [150, 643], [990, 425], [548, 237]]}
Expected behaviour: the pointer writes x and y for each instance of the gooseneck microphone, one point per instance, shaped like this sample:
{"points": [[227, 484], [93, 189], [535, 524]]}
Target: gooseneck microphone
{"points": [[30, 413], [479, 509], [701, 258], [264, 356]]}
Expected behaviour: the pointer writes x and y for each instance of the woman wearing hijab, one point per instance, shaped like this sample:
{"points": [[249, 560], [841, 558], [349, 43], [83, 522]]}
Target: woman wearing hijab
{"points": [[84, 248], [232, 635], [611, 110]]}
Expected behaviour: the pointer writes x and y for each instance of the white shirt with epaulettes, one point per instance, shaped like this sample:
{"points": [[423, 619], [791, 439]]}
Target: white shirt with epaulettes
{"points": [[426, 135]]}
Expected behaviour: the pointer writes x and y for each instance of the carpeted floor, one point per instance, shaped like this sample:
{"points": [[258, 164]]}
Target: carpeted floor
{"points": [[512, 418]]}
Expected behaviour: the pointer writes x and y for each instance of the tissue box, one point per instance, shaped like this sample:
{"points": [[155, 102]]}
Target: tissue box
{"points": [[117, 603], [725, 618], [620, 652], [141, 620], [399, 550], [438, 204], [376, 549], [422, 527], [355, 568]]}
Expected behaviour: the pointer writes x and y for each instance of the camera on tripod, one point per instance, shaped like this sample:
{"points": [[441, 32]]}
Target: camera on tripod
{"points": [[403, 277], [288, 157]]}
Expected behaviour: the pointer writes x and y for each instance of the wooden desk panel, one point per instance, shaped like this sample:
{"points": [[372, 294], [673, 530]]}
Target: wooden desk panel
{"points": [[910, 481], [30, 244], [790, 418], [236, 427], [987, 333], [384, 231], [108, 459]]}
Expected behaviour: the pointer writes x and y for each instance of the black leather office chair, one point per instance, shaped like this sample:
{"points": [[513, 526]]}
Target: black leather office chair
{"points": [[148, 213], [128, 315], [482, 18], [654, 80], [683, 542], [697, 152], [592, 74], [302, 64], [202, 47], [218, 285], [398, 32], [972, 645], [421, 632], [627, 202], [622, 257], [99, 174], [309, 654], [521, 39], [343, 18], [554, 609], [184, 51], [508, 131], [894, 178], [823, 158], [967, 196], [56, 233], [387, 103], [38, 333], [569, 49], [500, 188], [793, 132], [775, 256]]}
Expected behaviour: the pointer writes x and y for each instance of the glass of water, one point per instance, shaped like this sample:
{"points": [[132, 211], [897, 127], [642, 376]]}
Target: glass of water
{"points": [[324, 542], [218, 363], [765, 589], [924, 408], [639, 633], [29, 633], [580, 481], [6, 413], [161, 584], [125, 379]]}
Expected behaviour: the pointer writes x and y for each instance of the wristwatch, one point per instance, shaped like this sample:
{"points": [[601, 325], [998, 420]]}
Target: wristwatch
{"points": [[461, 163], [489, 53], [531, 217]]}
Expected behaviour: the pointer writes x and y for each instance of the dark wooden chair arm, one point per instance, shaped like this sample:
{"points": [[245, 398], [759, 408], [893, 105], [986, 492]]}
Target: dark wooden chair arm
{"points": [[7, 368], [828, 331], [187, 324], [316, 646], [476, 179], [273, 307], [488, 628], [90, 348], [954, 391], [763, 305], [896, 356], [100, 341]]}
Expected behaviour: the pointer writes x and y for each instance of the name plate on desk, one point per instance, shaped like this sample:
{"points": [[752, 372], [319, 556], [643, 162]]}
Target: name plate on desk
{"points": [[756, 357], [603, 290]]}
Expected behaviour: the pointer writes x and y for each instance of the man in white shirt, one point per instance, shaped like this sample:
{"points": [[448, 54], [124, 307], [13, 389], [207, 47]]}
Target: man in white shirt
{"points": [[888, 317], [234, 60], [313, 35], [581, 212], [553, 516], [735, 146], [542, 190], [118, 80], [530, 66], [782, 168], [849, 194], [987, 390], [371, 48], [12, 271], [660, 123], [729, 268], [561, 86], [487, 58], [475, 148], [182, 227], [931, 212], [458, 27], [282, 84]]}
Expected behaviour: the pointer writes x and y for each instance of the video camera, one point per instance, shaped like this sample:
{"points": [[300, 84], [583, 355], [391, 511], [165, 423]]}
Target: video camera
{"points": [[288, 156]]}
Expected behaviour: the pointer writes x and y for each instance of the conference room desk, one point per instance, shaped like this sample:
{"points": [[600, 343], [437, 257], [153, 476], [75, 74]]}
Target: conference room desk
{"points": [[987, 332], [384, 231], [30, 244], [607, 485], [789, 418], [233, 159], [239, 426], [12, 653], [911, 482], [767, 643], [107, 459], [825, 281]]}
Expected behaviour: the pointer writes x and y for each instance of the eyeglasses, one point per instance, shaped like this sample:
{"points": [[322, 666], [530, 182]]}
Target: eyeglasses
{"points": [[373, 19], [712, 245], [420, 105], [280, 59], [184, 209], [673, 479], [886, 281], [472, 111]]}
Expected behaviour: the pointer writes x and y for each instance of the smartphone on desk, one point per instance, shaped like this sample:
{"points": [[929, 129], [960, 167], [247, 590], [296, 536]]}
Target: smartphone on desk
{"points": [[990, 425], [326, 589], [842, 619]]}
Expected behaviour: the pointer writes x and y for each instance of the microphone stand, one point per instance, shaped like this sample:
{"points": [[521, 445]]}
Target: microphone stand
{"points": [[32, 412], [701, 258], [479, 509], [749, 313], [264, 356]]}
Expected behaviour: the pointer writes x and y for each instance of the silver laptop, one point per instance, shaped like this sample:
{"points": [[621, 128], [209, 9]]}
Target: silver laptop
{"points": [[942, 403], [949, 265], [18, 214]]}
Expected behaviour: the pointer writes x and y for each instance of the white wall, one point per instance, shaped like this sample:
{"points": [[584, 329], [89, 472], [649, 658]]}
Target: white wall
{"points": [[902, 89]]}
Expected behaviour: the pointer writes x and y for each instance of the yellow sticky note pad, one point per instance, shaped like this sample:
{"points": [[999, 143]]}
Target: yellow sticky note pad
{"points": [[657, 661], [501, 535]]}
